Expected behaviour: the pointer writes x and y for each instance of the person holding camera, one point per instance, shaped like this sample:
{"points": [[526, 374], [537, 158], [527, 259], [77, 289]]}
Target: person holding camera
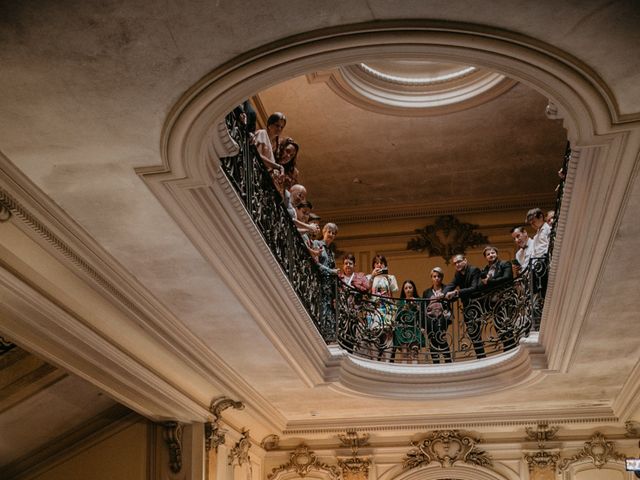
{"points": [[383, 285]]}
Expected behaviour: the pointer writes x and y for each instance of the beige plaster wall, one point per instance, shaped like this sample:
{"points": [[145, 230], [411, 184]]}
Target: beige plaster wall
{"points": [[122, 455]]}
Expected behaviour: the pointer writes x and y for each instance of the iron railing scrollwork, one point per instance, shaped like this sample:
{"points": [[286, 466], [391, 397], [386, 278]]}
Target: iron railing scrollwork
{"points": [[252, 182], [435, 330]]}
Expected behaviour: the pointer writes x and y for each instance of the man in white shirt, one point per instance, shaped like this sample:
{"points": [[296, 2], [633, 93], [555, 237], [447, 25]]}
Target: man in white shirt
{"points": [[535, 218], [525, 246]]}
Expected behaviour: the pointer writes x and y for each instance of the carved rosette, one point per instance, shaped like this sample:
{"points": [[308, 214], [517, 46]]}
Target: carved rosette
{"points": [[172, 434], [447, 447], [541, 460], [302, 461], [239, 454], [599, 450]]}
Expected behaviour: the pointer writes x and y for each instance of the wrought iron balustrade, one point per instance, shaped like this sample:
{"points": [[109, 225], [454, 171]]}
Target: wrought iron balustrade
{"points": [[375, 327], [253, 184], [436, 330]]}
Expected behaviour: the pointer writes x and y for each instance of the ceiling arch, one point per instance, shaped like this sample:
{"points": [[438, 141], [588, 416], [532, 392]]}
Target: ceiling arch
{"points": [[193, 135]]}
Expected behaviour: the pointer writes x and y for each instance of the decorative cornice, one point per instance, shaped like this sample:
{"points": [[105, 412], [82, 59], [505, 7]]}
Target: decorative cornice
{"points": [[599, 450], [447, 447], [59, 235], [172, 434], [455, 207], [302, 461], [460, 422]]}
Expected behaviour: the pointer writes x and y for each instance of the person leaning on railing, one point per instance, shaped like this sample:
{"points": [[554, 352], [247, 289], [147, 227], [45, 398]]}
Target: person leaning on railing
{"points": [[286, 154], [463, 286], [525, 248], [383, 285], [496, 274], [266, 141], [327, 264], [407, 335], [348, 275], [438, 318]]}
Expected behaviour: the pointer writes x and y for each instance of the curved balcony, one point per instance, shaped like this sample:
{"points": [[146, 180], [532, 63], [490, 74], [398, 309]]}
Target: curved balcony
{"points": [[421, 331]]}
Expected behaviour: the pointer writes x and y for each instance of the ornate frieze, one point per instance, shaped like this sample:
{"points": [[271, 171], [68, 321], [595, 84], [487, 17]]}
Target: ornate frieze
{"points": [[447, 447], [598, 449], [302, 461], [239, 454], [214, 435], [172, 434]]}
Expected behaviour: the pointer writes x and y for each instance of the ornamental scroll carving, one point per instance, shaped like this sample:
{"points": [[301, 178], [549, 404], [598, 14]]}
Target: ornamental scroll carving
{"points": [[240, 452], [542, 460], [302, 461], [446, 237], [599, 450], [172, 434], [214, 435], [543, 433], [354, 464], [447, 447]]}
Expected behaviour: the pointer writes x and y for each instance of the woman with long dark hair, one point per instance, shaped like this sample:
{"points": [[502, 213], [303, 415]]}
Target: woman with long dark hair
{"points": [[438, 317]]}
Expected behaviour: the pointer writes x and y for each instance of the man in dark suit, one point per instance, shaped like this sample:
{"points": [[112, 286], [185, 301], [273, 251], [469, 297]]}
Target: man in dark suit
{"points": [[465, 283], [495, 274]]}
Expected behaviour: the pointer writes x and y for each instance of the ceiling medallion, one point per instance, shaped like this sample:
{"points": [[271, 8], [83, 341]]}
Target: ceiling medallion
{"points": [[598, 449], [447, 447], [446, 237], [302, 461], [413, 87]]}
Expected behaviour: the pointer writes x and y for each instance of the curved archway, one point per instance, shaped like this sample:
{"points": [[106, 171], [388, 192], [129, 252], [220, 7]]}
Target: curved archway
{"points": [[193, 134]]}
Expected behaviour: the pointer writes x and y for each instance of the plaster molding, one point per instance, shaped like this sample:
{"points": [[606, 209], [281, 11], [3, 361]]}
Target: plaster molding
{"points": [[50, 227], [588, 417], [59, 336], [627, 403], [303, 461], [598, 450], [359, 89], [374, 213], [188, 183], [447, 447]]}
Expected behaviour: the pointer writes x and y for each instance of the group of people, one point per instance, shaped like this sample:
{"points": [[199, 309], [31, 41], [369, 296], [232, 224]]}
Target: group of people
{"points": [[403, 340], [278, 153]]}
